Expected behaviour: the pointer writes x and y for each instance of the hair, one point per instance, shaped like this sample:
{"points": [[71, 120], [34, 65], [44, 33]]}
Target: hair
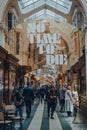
{"points": [[69, 87], [17, 93], [27, 83]]}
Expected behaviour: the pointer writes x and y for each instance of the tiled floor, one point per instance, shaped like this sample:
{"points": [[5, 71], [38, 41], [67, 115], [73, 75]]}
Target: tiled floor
{"points": [[35, 122], [77, 126]]}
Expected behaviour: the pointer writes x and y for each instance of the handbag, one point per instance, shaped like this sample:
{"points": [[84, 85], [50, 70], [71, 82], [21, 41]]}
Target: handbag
{"points": [[77, 103], [19, 103]]}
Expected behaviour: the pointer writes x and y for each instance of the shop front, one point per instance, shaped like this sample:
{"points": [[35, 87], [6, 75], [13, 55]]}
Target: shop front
{"points": [[79, 75], [3, 54], [23, 74], [1, 81], [82, 75], [10, 77]]}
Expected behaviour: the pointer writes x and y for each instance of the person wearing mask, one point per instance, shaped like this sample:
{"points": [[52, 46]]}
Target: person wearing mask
{"points": [[28, 94]]}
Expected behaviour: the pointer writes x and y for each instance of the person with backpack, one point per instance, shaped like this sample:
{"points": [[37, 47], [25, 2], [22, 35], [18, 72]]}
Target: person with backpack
{"points": [[18, 103]]}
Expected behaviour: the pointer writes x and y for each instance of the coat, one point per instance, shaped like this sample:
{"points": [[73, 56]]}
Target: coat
{"points": [[28, 94], [68, 101]]}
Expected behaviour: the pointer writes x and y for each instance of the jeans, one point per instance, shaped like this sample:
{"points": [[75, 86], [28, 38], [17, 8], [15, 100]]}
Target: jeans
{"points": [[28, 108], [18, 111], [51, 108]]}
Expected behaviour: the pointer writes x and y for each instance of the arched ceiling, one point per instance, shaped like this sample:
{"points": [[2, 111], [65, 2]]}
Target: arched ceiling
{"points": [[54, 8], [59, 10], [82, 5]]}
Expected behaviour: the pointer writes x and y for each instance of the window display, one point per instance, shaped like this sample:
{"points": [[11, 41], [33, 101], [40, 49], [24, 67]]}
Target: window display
{"points": [[6, 90], [1, 85], [83, 72], [12, 75]]}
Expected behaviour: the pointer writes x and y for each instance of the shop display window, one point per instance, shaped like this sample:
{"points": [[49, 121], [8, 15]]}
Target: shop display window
{"points": [[6, 92], [12, 75], [83, 75], [1, 85]]}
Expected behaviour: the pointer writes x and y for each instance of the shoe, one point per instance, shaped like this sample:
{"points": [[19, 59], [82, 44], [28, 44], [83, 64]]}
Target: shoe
{"points": [[28, 116], [52, 117], [48, 115]]}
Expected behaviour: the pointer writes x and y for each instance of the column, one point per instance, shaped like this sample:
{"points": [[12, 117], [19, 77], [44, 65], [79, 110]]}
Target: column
{"points": [[86, 57]]}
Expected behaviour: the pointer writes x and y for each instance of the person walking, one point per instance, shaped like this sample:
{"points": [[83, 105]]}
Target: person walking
{"points": [[18, 100], [42, 92], [68, 101], [62, 97], [51, 102], [28, 94]]}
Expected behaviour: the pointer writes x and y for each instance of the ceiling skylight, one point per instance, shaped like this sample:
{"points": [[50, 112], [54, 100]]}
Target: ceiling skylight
{"points": [[46, 14], [63, 6]]}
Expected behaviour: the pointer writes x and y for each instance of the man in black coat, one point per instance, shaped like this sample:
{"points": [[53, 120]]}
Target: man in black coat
{"points": [[42, 92], [28, 94], [51, 101]]}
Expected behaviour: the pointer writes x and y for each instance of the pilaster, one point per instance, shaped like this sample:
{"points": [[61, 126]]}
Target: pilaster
{"points": [[86, 57]]}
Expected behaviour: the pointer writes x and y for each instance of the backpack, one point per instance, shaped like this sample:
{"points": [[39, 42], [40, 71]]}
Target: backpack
{"points": [[18, 99]]}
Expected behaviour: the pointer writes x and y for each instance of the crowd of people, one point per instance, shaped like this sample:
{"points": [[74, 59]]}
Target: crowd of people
{"points": [[48, 94]]}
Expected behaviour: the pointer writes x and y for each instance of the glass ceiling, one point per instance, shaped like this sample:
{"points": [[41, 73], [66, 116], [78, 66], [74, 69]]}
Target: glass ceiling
{"points": [[45, 13], [63, 6]]}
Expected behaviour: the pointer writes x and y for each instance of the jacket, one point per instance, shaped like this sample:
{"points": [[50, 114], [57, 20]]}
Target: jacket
{"points": [[28, 94]]}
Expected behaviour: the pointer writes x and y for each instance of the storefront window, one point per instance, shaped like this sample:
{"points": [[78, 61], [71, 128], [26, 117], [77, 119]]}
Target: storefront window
{"points": [[83, 80], [12, 75], [6, 88], [1, 84]]}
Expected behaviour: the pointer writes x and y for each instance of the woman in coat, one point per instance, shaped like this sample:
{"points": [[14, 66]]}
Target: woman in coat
{"points": [[68, 101]]}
